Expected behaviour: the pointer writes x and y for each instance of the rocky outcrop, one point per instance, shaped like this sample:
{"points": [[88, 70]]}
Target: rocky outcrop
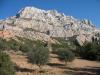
{"points": [[34, 23]]}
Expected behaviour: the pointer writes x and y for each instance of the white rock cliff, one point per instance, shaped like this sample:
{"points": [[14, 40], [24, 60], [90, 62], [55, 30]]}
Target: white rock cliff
{"points": [[34, 23]]}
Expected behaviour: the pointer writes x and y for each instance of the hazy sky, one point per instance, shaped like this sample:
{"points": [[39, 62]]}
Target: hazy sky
{"points": [[80, 9]]}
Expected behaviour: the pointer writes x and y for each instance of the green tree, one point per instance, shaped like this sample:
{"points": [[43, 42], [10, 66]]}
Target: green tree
{"points": [[66, 55], [39, 56]]}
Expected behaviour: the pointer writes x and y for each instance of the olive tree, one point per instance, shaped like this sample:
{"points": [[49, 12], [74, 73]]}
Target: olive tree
{"points": [[39, 56], [66, 55]]}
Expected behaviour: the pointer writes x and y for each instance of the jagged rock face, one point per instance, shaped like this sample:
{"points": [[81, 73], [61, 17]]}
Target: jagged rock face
{"points": [[32, 23]]}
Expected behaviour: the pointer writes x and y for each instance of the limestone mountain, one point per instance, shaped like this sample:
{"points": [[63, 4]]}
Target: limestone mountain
{"points": [[34, 23]]}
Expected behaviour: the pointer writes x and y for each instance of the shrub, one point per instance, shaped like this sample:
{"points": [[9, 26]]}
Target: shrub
{"points": [[66, 55], [29, 45], [3, 44], [90, 51], [14, 45], [7, 45], [22, 44], [25, 48], [6, 67], [39, 56], [65, 43]]}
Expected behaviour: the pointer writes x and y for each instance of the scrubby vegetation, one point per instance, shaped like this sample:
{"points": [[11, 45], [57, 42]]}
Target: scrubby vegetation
{"points": [[87, 51], [63, 44], [21, 44], [39, 56], [3, 44], [90, 51], [6, 66], [66, 55], [64, 49], [9, 45], [38, 52]]}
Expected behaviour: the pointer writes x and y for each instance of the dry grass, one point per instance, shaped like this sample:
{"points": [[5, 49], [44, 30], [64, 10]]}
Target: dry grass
{"points": [[54, 67]]}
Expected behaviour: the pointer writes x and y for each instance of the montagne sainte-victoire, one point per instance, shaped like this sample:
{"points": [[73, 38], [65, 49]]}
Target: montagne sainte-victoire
{"points": [[34, 23]]}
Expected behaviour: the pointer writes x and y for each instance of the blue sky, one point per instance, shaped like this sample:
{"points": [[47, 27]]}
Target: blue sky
{"points": [[80, 9]]}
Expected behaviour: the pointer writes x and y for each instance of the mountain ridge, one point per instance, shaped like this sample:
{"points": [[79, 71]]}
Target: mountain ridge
{"points": [[34, 23]]}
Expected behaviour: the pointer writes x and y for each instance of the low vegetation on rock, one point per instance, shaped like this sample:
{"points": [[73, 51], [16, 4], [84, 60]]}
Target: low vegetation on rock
{"points": [[21, 44]]}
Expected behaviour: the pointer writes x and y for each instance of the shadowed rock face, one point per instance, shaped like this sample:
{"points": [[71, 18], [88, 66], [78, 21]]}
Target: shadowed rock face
{"points": [[33, 23]]}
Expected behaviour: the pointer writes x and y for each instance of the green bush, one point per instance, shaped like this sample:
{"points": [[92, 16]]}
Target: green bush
{"points": [[90, 51], [25, 48], [6, 67], [66, 55], [9, 45], [3, 44], [62, 43], [39, 56], [69, 43], [22, 44], [13, 44], [29, 45]]}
